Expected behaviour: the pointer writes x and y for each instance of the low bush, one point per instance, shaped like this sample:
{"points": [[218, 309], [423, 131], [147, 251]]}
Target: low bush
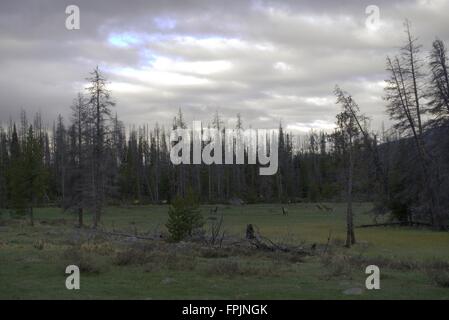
{"points": [[223, 267], [232, 268], [39, 245], [440, 278], [212, 253], [87, 263], [130, 257]]}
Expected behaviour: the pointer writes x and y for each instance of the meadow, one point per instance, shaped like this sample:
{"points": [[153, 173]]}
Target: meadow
{"points": [[120, 261]]}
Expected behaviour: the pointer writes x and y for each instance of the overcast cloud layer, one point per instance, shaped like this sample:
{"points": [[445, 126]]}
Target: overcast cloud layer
{"points": [[268, 60]]}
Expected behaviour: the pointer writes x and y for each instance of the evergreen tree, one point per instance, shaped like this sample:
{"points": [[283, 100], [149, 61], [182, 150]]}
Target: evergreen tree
{"points": [[184, 216], [16, 175], [4, 168], [36, 176]]}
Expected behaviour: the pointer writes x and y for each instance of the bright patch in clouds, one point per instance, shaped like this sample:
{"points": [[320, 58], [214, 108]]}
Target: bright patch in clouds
{"points": [[211, 43], [124, 40], [315, 125], [192, 67], [149, 76], [319, 101], [158, 70], [282, 66], [124, 87]]}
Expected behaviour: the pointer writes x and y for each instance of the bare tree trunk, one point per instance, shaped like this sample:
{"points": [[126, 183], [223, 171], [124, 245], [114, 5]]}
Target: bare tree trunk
{"points": [[96, 216], [209, 183], [350, 236], [97, 160], [80, 217], [412, 61], [31, 217]]}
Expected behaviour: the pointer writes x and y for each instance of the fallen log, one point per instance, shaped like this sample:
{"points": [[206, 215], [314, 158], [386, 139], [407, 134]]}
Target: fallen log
{"points": [[403, 224], [263, 243], [118, 234]]}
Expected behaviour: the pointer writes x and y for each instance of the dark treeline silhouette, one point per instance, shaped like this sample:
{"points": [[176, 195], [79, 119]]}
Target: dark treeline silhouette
{"points": [[91, 160], [135, 167]]}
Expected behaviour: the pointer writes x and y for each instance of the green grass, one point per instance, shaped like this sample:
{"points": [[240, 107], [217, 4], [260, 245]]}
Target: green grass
{"points": [[30, 271]]}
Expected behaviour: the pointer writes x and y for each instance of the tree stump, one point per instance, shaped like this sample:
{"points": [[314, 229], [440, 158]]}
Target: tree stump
{"points": [[250, 232]]}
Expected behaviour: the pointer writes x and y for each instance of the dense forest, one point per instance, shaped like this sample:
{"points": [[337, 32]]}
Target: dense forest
{"points": [[92, 159]]}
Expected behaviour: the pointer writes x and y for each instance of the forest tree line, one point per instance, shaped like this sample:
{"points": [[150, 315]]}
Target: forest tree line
{"points": [[91, 159]]}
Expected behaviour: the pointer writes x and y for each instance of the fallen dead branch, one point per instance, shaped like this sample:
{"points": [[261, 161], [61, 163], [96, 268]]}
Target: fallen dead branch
{"points": [[404, 224], [263, 243], [119, 234]]}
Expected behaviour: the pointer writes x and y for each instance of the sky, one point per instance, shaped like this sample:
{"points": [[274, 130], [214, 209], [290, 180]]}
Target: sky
{"points": [[270, 61]]}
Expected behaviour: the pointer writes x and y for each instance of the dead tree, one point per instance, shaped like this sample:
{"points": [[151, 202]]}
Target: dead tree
{"points": [[369, 142], [345, 136], [99, 112], [404, 95]]}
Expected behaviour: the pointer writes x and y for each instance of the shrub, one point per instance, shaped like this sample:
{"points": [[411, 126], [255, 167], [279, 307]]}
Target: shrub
{"points": [[184, 217], [441, 278], [437, 270], [130, 257], [97, 247], [232, 268], [176, 262], [39, 245], [213, 253], [337, 265], [85, 262], [437, 264], [224, 267]]}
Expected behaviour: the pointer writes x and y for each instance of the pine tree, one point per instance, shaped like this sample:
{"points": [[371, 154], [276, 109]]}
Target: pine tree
{"points": [[33, 175], [78, 173], [184, 216], [16, 175], [4, 168]]}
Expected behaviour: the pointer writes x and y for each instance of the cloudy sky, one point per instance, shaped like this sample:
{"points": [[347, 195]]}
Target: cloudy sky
{"points": [[268, 60]]}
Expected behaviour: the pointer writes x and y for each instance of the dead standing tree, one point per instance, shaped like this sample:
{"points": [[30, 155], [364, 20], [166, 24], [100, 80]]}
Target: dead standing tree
{"points": [[438, 90], [404, 93], [369, 141], [345, 136], [99, 110]]}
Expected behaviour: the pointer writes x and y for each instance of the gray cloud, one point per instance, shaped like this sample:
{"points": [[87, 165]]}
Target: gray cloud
{"points": [[268, 60]]}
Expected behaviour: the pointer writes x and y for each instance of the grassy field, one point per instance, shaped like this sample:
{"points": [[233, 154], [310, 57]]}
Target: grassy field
{"points": [[414, 263]]}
